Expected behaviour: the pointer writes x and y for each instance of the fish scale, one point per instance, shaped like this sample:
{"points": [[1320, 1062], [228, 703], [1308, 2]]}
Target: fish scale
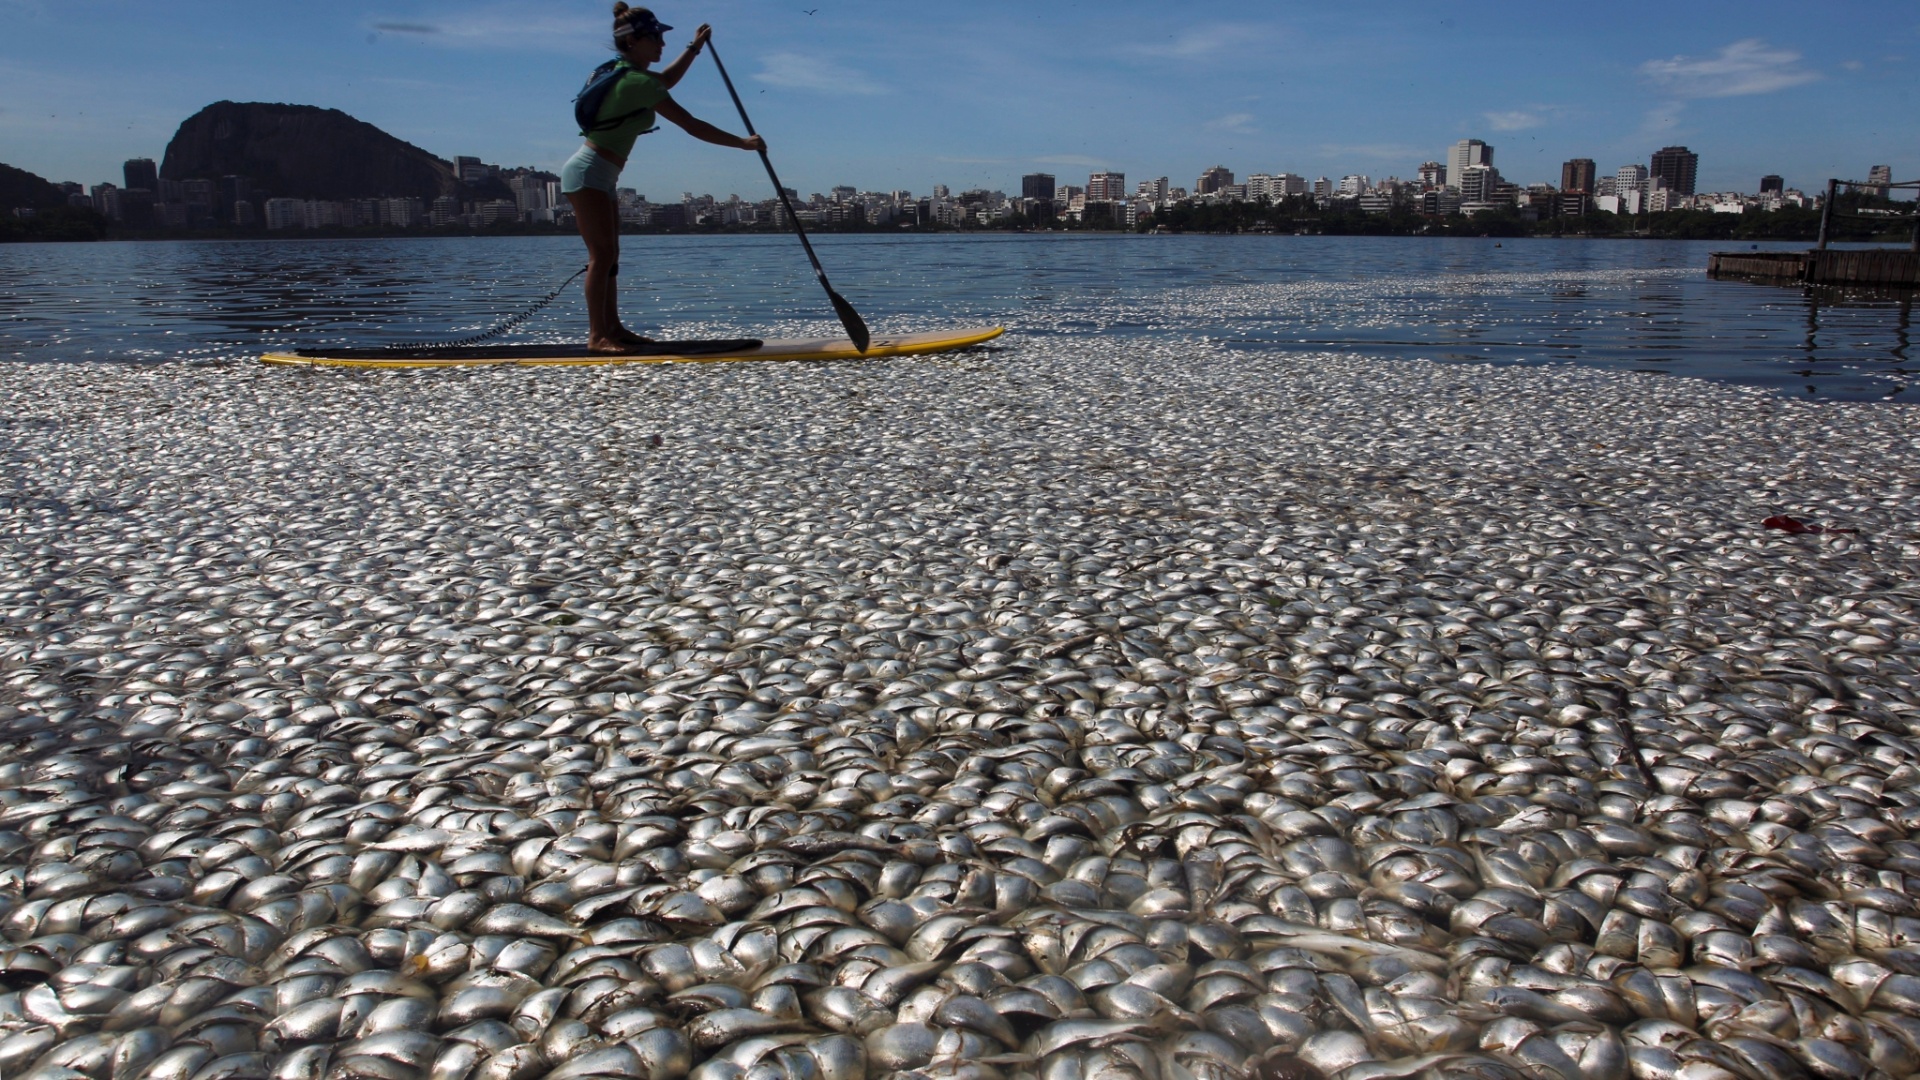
{"points": [[903, 720]]}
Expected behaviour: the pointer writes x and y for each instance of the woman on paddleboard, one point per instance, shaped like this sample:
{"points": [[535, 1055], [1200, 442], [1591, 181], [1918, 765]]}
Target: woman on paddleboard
{"points": [[589, 176]]}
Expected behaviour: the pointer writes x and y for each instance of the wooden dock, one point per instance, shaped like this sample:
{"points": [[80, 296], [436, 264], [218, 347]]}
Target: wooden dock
{"points": [[1883, 267]]}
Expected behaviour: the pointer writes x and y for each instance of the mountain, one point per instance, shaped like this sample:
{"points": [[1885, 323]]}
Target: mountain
{"points": [[18, 187], [302, 152]]}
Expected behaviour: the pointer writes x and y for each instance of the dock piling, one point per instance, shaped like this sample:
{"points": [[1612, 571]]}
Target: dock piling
{"points": [[1826, 213], [1878, 267]]}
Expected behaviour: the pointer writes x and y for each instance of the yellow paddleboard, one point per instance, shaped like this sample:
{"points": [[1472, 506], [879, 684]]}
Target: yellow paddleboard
{"points": [[666, 352]]}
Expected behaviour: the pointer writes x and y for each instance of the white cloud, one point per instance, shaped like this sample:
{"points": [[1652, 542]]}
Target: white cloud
{"points": [[1514, 120], [1852, 65], [1744, 67], [797, 71], [1239, 123], [1201, 42], [496, 27]]}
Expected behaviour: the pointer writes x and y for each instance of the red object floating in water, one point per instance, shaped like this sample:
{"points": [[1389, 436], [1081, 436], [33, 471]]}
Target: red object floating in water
{"points": [[1797, 527]]}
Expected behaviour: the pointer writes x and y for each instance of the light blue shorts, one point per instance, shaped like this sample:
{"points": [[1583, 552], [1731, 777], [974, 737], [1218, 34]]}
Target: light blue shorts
{"points": [[588, 169]]}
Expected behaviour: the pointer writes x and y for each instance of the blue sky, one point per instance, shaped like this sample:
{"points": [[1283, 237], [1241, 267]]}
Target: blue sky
{"points": [[893, 95]]}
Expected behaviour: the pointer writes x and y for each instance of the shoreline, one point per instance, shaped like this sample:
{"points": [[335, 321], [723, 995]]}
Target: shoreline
{"points": [[305, 235]]}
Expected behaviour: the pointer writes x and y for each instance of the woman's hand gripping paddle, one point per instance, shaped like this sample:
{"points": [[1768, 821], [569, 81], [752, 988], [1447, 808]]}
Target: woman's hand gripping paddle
{"points": [[849, 318]]}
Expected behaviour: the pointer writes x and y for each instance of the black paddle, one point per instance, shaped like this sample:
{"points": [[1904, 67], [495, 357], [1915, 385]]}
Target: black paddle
{"points": [[849, 318]]}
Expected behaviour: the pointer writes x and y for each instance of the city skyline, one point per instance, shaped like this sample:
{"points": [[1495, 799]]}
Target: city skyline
{"points": [[857, 93], [528, 197], [1468, 181]]}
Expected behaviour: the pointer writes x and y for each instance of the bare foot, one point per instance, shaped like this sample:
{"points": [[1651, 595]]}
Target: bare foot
{"points": [[631, 338], [606, 347]]}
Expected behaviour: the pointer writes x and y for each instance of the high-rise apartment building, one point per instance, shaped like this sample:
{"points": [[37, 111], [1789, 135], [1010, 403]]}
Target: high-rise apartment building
{"points": [[322, 213], [1772, 185], [201, 198], [405, 213], [1433, 176], [141, 173], [106, 201], [1037, 186], [1572, 203], [1276, 186], [1476, 183], [1465, 154], [529, 193], [1214, 179], [1678, 166], [1107, 187], [285, 214], [1879, 180], [1577, 175], [1630, 186], [1154, 190]]}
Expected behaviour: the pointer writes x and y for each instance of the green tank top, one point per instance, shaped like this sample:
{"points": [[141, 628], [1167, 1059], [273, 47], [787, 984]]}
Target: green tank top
{"points": [[638, 92]]}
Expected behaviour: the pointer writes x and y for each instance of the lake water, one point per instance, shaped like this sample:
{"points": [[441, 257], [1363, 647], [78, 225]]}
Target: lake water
{"points": [[1637, 305]]}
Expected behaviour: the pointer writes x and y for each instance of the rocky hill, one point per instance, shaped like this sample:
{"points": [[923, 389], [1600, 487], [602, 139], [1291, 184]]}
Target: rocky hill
{"points": [[18, 187], [302, 152]]}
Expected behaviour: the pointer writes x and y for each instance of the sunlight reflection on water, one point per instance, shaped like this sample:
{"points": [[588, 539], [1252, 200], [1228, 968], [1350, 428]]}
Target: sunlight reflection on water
{"points": [[1616, 304]]}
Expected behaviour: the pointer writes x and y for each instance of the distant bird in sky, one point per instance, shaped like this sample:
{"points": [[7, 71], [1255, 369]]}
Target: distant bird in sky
{"points": [[808, 11]]}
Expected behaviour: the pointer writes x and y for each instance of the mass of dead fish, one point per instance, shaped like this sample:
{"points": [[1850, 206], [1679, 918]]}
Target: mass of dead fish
{"points": [[1082, 712]]}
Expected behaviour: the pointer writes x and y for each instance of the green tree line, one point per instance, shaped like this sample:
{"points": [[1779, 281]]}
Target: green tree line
{"points": [[56, 223]]}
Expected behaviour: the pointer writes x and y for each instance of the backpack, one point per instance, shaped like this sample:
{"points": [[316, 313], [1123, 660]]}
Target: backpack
{"points": [[586, 104]]}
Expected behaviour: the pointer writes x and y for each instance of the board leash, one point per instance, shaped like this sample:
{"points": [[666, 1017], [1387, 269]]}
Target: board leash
{"points": [[509, 323]]}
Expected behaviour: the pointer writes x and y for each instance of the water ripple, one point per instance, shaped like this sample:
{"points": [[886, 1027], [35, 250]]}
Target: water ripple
{"points": [[1622, 305]]}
